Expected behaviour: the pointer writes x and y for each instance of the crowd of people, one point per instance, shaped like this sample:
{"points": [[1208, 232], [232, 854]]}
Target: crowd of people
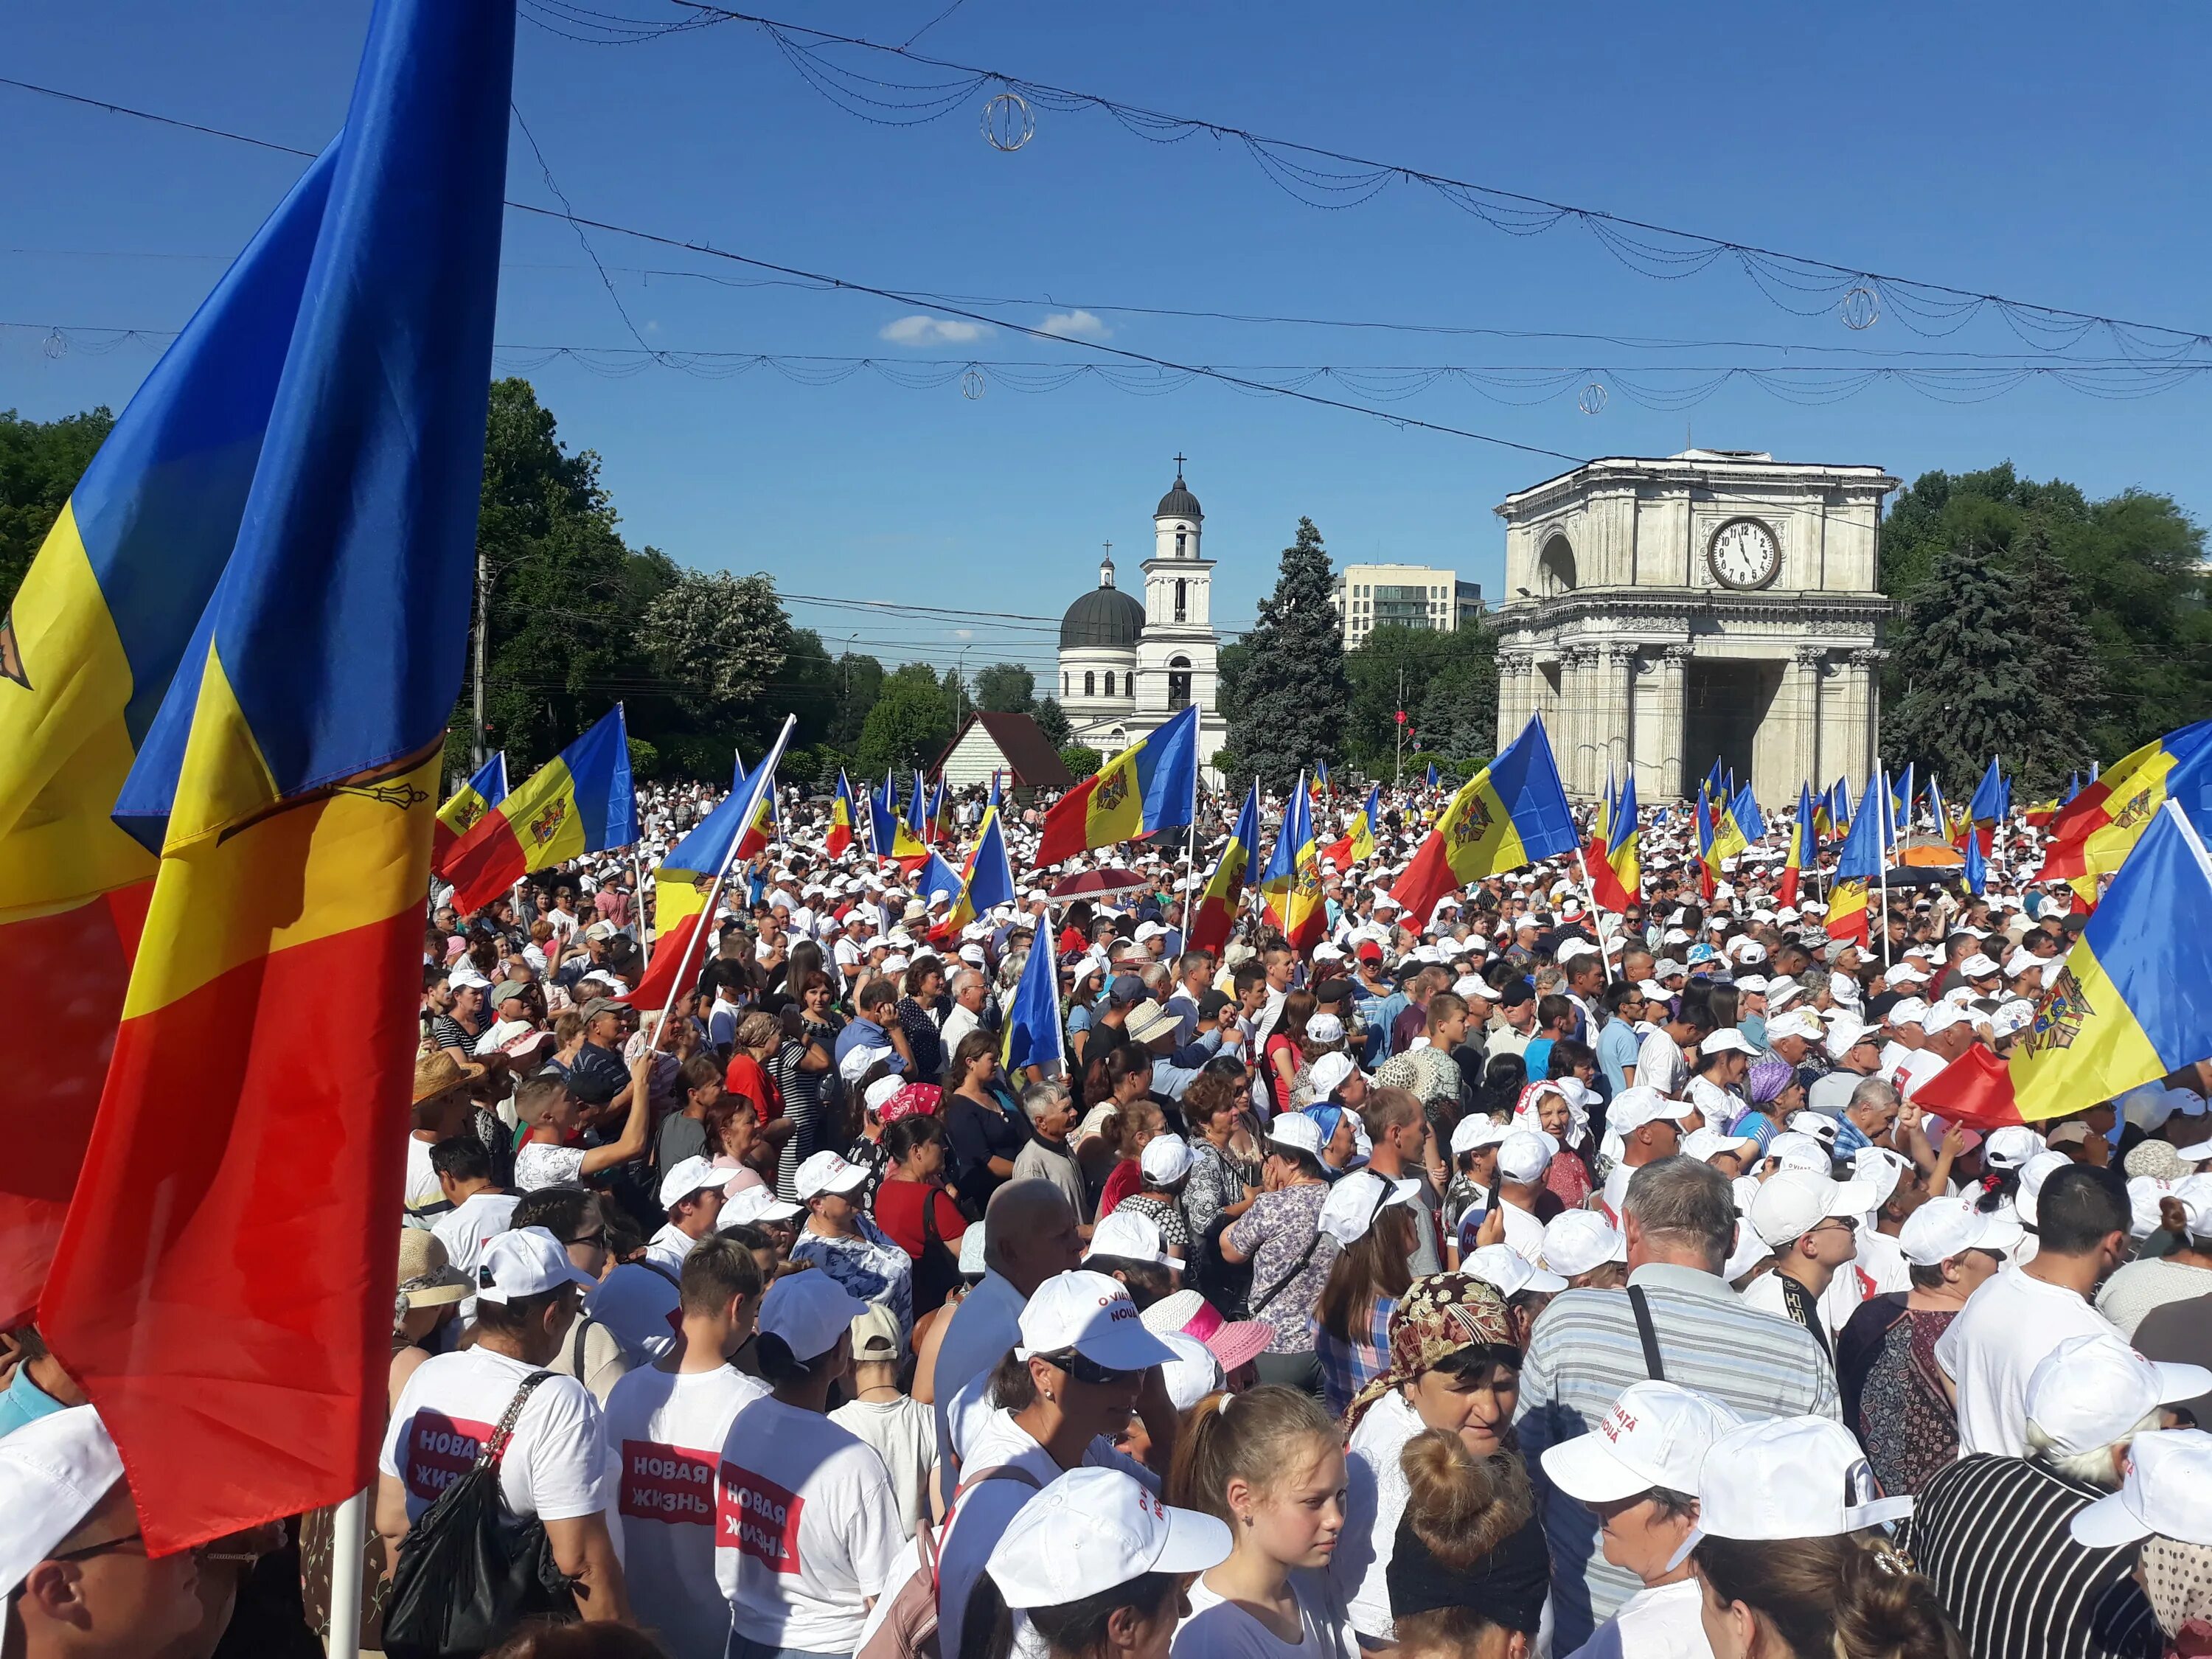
{"points": [[1516, 1279]]}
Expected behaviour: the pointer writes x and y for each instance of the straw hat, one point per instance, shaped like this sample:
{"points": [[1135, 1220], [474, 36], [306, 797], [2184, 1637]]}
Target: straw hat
{"points": [[427, 1277], [440, 1074]]}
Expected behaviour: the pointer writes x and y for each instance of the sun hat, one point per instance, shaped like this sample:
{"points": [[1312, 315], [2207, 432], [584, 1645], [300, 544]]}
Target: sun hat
{"points": [[1128, 1235], [1234, 1342], [2091, 1390], [526, 1261], [427, 1277], [54, 1472], [693, 1174], [1354, 1202], [1093, 1315], [808, 1312], [2167, 1494], [1092, 1529], [1508, 1273], [1793, 1202], [1656, 1434], [1577, 1241]]}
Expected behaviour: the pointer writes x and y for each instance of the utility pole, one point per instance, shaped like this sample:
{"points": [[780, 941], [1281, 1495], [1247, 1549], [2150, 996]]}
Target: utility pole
{"points": [[483, 603], [1398, 774]]}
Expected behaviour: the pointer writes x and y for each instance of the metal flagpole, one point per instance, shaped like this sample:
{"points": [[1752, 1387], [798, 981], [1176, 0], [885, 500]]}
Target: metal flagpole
{"points": [[1882, 862], [1589, 897], [349, 1533], [637, 903]]}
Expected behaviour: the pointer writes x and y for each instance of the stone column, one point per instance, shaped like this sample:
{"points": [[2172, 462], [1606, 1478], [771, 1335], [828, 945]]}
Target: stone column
{"points": [[1854, 716], [1810, 663], [1578, 719], [1517, 671], [1617, 734], [1670, 669]]}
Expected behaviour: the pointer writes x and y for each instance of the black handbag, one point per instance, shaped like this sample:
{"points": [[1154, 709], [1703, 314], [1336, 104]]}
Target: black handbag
{"points": [[471, 1570]]}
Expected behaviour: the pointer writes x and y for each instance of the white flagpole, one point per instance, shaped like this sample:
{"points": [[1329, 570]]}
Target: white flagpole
{"points": [[349, 1535], [1881, 863]]}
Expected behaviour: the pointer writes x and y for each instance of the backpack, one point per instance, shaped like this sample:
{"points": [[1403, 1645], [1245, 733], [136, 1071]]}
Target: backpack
{"points": [[471, 1570], [909, 1629]]}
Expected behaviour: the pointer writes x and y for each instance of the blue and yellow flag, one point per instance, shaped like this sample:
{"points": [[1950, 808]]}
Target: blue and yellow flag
{"points": [[1358, 839], [1977, 867], [987, 878], [1749, 818], [1429, 781], [768, 821], [1033, 1037], [1291, 885], [1152, 784], [1233, 872], [841, 817], [883, 818], [1902, 795], [469, 802], [1803, 838], [256, 662], [1859, 864], [1510, 813], [580, 801], [1627, 839]]}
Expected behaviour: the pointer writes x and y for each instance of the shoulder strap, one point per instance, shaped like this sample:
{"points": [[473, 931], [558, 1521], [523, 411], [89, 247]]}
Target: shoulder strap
{"points": [[652, 1266], [1642, 1306], [1283, 1284], [933, 1543], [496, 1447], [584, 1323]]}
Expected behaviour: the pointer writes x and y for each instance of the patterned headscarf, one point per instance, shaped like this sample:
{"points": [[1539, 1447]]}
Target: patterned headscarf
{"points": [[1529, 1114], [1437, 1317], [1766, 1079]]}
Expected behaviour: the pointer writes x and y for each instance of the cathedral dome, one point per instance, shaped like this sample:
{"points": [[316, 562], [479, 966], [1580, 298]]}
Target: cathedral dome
{"points": [[1178, 503], [1104, 617]]}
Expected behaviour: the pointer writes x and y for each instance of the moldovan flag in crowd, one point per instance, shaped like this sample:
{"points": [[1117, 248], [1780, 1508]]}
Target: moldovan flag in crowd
{"points": [[1625, 842], [767, 820], [1803, 837], [580, 801], [469, 802], [841, 819], [684, 880], [933, 878], [1150, 786], [2132, 1000], [1750, 822], [941, 815], [1608, 889], [1860, 862], [1987, 808], [223, 1288], [1901, 797], [1232, 874], [1707, 864], [910, 834], [1358, 840], [1320, 778], [1432, 779], [1510, 813], [987, 878], [1033, 1030], [2092, 835], [1290, 888], [883, 818]]}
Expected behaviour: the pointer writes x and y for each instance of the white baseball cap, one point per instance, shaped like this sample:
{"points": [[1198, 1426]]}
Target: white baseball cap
{"points": [[1847, 1034], [860, 1057], [1474, 1132], [1324, 1028], [526, 1261], [1819, 1125], [2010, 1147], [878, 1093], [1354, 1203], [693, 1174], [1129, 1235], [2089, 1391], [756, 1203], [54, 1470], [1298, 1132], [1727, 1041], [827, 1172], [1792, 1202], [1165, 1159], [2033, 1174], [1194, 1373], [1525, 1154], [1703, 1143], [1093, 1315], [1508, 1273], [1577, 1241], [1942, 1016], [1789, 1477], [1797, 1023], [1978, 966], [1656, 1434], [1634, 1107], [2169, 1493], [809, 1312], [1330, 1071], [1792, 1150], [1092, 1529]]}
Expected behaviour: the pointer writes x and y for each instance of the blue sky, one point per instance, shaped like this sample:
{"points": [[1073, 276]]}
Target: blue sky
{"points": [[2054, 155]]}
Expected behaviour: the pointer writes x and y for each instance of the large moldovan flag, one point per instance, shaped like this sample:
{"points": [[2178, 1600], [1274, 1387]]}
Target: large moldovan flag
{"points": [[2092, 835], [580, 801], [1232, 874], [1291, 885], [1861, 861], [469, 802], [1151, 785], [223, 1286], [1358, 840], [1510, 814]]}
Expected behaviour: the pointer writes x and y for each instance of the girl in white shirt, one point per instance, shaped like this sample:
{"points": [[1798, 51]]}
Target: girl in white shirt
{"points": [[1270, 1464]]}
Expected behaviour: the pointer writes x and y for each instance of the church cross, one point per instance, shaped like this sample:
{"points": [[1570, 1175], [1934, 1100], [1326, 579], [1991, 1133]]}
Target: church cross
{"points": [[1179, 461]]}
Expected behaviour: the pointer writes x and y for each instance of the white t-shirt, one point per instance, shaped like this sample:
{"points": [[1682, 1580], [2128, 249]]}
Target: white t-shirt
{"points": [[643, 1307], [903, 1431], [988, 1322], [807, 1525], [543, 1164], [1660, 1065], [1524, 1234], [1374, 1503], [1221, 1629], [471, 1225], [421, 1190], [555, 1465], [2007, 1327], [1652, 1624], [665, 1435]]}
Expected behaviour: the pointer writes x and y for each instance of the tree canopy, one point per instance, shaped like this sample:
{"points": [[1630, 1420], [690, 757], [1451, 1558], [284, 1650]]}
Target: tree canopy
{"points": [[40, 462], [1286, 707], [1446, 684]]}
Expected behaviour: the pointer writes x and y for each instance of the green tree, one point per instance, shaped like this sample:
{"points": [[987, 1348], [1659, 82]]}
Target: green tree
{"points": [[1396, 667], [1052, 720], [860, 683], [806, 688], [1458, 707], [722, 639], [911, 721], [40, 462], [1080, 759], [1292, 693], [1005, 688]]}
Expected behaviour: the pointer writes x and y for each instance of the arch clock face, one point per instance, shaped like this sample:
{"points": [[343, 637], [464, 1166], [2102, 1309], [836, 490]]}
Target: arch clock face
{"points": [[1743, 553]]}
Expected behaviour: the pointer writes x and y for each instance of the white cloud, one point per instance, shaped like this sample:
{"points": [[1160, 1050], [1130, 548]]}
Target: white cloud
{"points": [[919, 330], [1076, 324]]}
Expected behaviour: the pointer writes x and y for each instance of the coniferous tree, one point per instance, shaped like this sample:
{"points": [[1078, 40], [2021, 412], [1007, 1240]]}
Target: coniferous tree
{"points": [[2067, 664], [1969, 658], [1292, 695]]}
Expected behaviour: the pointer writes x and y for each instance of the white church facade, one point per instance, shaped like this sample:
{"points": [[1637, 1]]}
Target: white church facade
{"points": [[1717, 604], [1126, 664]]}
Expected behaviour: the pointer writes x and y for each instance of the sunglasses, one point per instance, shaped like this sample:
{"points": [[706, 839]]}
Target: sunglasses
{"points": [[1088, 1372]]}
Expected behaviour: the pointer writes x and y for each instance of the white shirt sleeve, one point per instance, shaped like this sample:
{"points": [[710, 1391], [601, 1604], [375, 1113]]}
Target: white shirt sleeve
{"points": [[563, 1451]]}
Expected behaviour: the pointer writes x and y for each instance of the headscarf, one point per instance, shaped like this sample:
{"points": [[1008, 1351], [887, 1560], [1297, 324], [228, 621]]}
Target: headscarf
{"points": [[1768, 1077], [1528, 1113], [915, 1100], [1437, 1317], [2177, 1578]]}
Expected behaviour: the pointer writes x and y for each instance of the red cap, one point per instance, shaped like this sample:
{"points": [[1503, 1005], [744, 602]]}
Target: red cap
{"points": [[1369, 951]]}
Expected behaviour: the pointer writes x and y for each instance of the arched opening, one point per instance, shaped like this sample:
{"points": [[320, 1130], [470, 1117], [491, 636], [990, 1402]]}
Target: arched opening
{"points": [[1063, 682], [1120, 738], [1555, 567], [1183, 594], [1181, 538], [1089, 684], [1178, 680], [1109, 682]]}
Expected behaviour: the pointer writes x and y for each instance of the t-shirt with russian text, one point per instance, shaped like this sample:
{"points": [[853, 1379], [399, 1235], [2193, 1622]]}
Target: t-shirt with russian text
{"points": [[805, 1527], [555, 1465], [665, 1435]]}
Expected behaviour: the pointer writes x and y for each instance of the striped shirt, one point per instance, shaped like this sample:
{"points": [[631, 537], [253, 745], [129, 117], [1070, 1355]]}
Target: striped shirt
{"points": [[1990, 1533], [1585, 1349]]}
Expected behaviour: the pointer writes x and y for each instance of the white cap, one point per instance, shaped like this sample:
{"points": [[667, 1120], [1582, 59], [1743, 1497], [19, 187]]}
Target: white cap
{"points": [[1166, 1159], [1789, 1477], [756, 1203], [1903, 973], [2010, 1147], [1881, 1169], [2169, 1493], [1727, 1041], [54, 1470], [1656, 1434], [1093, 1315], [1128, 1234], [1792, 1150], [1330, 1072], [1705, 1143], [809, 1311], [1572, 950], [1978, 966], [1797, 1023], [1473, 1132], [526, 1261], [2090, 1391], [826, 1172], [2033, 1174], [1792, 1202], [1525, 1154], [693, 1174], [1577, 1241], [861, 1057], [1194, 1373], [1508, 1273], [1634, 1107], [1845, 1034], [1942, 1016], [1819, 1125], [1324, 1028], [1298, 1132], [1354, 1203], [1907, 1011], [879, 1092], [1092, 1529]]}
